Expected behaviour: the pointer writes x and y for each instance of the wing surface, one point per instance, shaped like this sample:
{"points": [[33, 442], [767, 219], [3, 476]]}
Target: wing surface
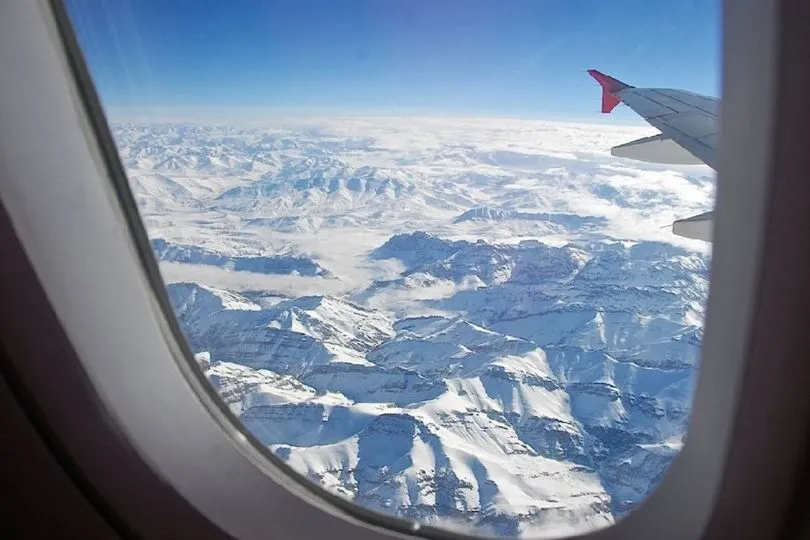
{"points": [[687, 119]]}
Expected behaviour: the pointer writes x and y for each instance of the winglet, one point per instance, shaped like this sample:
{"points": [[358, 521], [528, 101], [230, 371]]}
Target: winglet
{"points": [[610, 87]]}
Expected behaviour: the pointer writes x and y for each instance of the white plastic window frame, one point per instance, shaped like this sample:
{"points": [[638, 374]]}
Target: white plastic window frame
{"points": [[68, 202]]}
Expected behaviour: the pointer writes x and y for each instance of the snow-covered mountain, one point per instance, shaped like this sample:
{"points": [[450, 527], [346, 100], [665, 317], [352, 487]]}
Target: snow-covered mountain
{"points": [[559, 366], [466, 323], [561, 222], [441, 421], [324, 182], [276, 264], [157, 194]]}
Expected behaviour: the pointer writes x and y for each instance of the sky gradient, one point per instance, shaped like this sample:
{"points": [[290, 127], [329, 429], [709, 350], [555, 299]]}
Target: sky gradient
{"points": [[461, 57]]}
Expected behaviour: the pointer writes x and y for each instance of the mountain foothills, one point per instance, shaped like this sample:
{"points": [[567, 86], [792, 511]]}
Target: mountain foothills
{"points": [[472, 323]]}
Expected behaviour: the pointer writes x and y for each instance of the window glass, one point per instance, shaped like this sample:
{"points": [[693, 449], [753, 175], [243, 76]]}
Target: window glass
{"points": [[399, 245]]}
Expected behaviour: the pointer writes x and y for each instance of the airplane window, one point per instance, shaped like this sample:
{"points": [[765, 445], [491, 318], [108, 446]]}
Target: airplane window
{"points": [[412, 253]]}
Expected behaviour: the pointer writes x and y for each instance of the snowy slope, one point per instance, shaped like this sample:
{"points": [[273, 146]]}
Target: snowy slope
{"points": [[156, 193], [491, 443]]}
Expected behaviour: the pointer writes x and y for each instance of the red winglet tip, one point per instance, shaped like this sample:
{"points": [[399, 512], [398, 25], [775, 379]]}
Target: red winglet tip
{"points": [[609, 102], [609, 87]]}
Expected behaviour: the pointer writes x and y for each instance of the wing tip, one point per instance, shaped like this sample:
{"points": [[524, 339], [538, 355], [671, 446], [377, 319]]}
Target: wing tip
{"points": [[609, 88], [611, 84]]}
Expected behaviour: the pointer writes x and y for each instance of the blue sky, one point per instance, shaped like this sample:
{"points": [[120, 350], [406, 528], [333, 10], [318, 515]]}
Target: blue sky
{"points": [[461, 57]]}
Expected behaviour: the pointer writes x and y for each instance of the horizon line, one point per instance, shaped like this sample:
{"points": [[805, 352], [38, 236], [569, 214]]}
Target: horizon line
{"points": [[257, 115]]}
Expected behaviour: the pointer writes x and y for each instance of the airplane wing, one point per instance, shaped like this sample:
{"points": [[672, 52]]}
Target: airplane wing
{"points": [[688, 125]]}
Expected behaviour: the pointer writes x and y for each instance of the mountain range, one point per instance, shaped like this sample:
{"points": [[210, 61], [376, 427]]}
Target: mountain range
{"points": [[468, 333]]}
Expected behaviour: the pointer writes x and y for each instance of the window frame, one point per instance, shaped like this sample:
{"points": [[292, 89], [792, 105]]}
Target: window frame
{"points": [[123, 362]]}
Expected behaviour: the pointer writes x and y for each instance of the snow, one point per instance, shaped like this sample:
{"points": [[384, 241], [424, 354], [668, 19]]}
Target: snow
{"points": [[474, 323]]}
